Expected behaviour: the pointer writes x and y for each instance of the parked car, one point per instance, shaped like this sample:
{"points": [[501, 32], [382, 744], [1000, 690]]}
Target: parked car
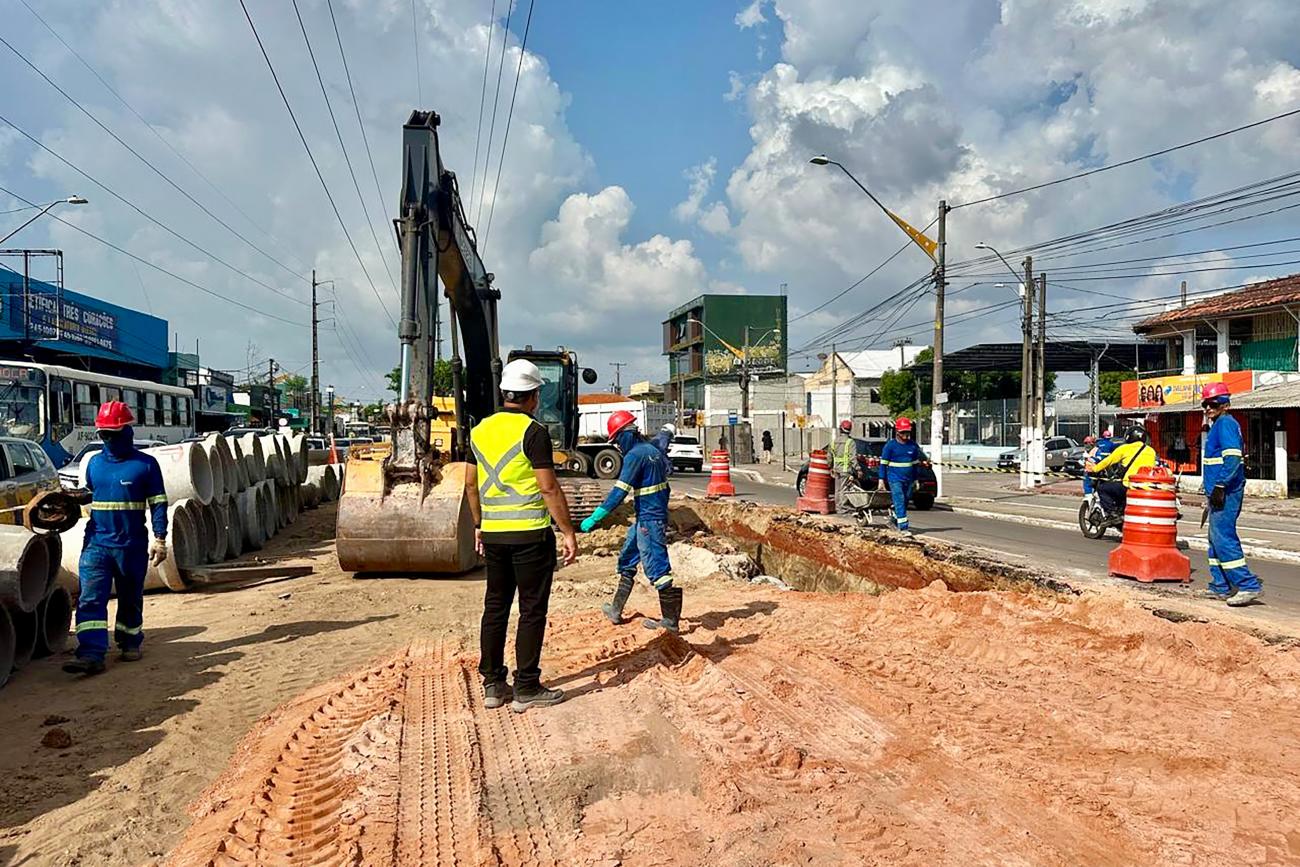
{"points": [[924, 490], [70, 473], [686, 454], [25, 471], [1059, 450]]}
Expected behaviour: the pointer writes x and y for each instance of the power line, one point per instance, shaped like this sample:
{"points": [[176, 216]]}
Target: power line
{"points": [[505, 40], [159, 268], [415, 39], [141, 158], [482, 96], [160, 224], [1131, 161], [505, 138], [339, 134], [270, 66]]}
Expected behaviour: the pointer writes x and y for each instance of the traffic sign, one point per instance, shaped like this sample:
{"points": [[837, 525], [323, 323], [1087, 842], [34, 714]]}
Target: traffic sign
{"points": [[732, 417]]}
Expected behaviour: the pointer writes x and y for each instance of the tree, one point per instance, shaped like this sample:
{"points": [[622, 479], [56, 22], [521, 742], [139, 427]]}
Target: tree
{"points": [[898, 387], [1108, 385], [294, 388], [441, 378]]}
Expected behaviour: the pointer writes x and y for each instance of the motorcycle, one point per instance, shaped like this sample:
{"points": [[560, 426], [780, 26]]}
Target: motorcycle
{"points": [[1095, 520]]}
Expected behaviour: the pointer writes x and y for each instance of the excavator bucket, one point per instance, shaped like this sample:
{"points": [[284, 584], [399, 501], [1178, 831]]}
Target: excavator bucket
{"points": [[385, 527]]}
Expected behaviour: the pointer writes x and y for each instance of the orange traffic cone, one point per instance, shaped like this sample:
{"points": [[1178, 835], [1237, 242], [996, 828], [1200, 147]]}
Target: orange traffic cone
{"points": [[817, 490], [334, 452], [720, 476], [1149, 551]]}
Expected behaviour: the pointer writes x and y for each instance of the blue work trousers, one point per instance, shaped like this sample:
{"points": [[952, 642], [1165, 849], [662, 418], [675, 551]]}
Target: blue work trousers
{"points": [[646, 544], [1228, 569], [899, 490], [101, 568]]}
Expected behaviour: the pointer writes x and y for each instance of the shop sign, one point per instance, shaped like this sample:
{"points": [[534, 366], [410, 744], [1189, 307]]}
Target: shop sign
{"points": [[1162, 390]]}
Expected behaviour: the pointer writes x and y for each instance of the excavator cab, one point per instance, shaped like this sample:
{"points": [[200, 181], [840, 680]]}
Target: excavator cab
{"points": [[558, 404]]}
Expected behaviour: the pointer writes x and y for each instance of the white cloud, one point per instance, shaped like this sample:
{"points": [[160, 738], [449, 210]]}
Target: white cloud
{"points": [[712, 218], [751, 15]]}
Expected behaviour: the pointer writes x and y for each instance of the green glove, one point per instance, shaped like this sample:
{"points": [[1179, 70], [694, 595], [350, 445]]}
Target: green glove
{"points": [[589, 523]]}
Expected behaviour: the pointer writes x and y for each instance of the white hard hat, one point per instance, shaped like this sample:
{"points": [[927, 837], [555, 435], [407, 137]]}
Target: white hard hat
{"points": [[521, 375], [671, 428]]}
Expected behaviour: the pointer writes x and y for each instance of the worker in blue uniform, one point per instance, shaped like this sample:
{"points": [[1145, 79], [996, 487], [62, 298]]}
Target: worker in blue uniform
{"points": [[645, 476], [1224, 484], [663, 440], [1097, 451], [898, 462], [123, 487]]}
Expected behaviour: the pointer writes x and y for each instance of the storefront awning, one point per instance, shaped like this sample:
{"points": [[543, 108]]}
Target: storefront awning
{"points": [[1285, 395]]}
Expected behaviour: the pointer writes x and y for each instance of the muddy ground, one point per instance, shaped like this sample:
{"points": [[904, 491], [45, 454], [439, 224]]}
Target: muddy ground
{"points": [[331, 720]]}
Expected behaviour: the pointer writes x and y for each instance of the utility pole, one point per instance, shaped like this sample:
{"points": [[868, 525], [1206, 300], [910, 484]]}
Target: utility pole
{"points": [[1040, 386], [315, 359], [618, 375], [835, 382], [744, 377], [270, 394], [938, 395], [1026, 366]]}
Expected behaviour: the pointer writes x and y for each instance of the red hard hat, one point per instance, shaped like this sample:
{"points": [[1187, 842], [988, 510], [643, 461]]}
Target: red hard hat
{"points": [[1215, 391], [903, 424], [619, 420], [113, 415], [1089, 440], [846, 425]]}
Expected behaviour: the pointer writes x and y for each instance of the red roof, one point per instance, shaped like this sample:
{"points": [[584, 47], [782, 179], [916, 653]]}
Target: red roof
{"points": [[1254, 298], [603, 397]]}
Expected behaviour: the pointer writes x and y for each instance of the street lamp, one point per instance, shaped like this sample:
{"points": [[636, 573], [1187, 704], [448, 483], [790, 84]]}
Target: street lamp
{"points": [[1028, 399], [1019, 278], [329, 392], [70, 200]]}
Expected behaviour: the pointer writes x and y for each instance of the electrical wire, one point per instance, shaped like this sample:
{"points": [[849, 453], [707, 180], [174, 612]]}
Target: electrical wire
{"points": [[505, 138], [343, 147], [289, 108], [1131, 161], [855, 284], [482, 97], [505, 40]]}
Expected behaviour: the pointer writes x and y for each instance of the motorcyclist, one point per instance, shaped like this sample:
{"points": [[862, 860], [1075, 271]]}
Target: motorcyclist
{"points": [[1224, 481], [898, 462], [1136, 454]]}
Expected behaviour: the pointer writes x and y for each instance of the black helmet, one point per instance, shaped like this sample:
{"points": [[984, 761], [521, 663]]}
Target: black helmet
{"points": [[1136, 435]]}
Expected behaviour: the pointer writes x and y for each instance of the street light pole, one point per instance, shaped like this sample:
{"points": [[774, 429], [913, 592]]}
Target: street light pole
{"points": [[938, 396], [70, 200]]}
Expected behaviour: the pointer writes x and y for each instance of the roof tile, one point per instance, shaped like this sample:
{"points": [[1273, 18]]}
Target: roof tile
{"points": [[1258, 296]]}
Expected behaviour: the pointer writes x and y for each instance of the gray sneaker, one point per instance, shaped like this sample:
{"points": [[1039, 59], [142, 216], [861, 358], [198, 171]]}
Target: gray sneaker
{"points": [[1245, 597], [496, 694], [132, 655], [1210, 594], [541, 697]]}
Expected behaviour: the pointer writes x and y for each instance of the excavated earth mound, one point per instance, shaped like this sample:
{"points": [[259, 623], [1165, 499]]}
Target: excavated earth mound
{"points": [[920, 727]]}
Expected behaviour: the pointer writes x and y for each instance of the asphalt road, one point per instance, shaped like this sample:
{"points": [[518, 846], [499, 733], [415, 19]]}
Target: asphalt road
{"points": [[1043, 547]]}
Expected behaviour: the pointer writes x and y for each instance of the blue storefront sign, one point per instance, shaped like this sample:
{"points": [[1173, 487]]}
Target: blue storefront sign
{"points": [[51, 317]]}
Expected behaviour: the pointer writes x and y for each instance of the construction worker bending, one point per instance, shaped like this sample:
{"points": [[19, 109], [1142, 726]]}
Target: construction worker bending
{"points": [[122, 485], [645, 476], [1134, 455], [1224, 484], [898, 462], [513, 495]]}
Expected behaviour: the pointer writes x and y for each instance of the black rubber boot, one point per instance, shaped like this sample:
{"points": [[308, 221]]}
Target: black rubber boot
{"points": [[614, 608], [670, 611], [82, 665]]}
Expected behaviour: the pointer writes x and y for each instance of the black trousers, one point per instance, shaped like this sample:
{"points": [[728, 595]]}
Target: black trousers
{"points": [[1113, 495], [528, 569]]}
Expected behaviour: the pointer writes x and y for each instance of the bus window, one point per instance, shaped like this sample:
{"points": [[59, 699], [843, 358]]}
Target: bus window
{"points": [[150, 408], [108, 392], [183, 411], [131, 397], [87, 403], [168, 403], [61, 414]]}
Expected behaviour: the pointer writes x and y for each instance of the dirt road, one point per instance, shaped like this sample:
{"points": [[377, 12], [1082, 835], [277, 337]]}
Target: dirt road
{"points": [[918, 727]]}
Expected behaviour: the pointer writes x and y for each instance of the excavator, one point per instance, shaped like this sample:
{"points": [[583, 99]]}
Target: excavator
{"points": [[404, 506]]}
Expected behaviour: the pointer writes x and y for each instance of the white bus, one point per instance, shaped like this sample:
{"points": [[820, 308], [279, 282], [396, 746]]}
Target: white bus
{"points": [[56, 406]]}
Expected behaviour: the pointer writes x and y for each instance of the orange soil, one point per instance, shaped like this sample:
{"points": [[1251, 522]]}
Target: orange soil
{"points": [[921, 727]]}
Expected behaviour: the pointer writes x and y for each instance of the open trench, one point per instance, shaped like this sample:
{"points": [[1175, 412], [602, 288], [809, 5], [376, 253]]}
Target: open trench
{"points": [[918, 704]]}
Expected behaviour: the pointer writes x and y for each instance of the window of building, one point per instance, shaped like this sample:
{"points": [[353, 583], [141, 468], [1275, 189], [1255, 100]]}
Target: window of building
{"points": [[873, 395], [1207, 349], [131, 397], [150, 408], [1240, 332], [87, 402]]}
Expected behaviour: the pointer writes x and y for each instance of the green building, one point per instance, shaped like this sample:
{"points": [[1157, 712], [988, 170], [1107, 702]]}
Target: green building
{"points": [[705, 337]]}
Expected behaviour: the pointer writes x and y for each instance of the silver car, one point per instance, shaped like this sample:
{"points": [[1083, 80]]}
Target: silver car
{"points": [[1059, 451]]}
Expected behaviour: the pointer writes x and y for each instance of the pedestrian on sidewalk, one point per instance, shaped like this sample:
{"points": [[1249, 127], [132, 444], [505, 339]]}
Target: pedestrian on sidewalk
{"points": [[645, 476], [123, 485], [767, 447], [1224, 484], [898, 462], [513, 497]]}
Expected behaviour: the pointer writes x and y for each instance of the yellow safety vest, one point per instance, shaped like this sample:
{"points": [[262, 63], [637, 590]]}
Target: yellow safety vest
{"points": [[508, 491]]}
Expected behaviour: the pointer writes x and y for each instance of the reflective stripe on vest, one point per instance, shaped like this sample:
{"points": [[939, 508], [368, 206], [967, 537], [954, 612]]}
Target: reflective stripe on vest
{"points": [[509, 495], [126, 506]]}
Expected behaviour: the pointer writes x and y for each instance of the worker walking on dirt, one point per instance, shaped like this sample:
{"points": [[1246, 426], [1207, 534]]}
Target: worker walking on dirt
{"points": [[513, 496], [645, 476], [123, 484], [898, 462], [1224, 483]]}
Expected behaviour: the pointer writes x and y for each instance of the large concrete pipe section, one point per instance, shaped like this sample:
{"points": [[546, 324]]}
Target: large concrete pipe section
{"points": [[324, 479], [26, 625], [54, 619], [273, 459], [241, 467], [287, 468], [234, 527], [229, 469], [24, 567], [205, 522], [310, 495], [215, 520], [267, 508], [183, 547], [298, 449], [70, 558], [215, 466], [54, 545], [8, 643], [249, 504], [186, 471], [254, 457]]}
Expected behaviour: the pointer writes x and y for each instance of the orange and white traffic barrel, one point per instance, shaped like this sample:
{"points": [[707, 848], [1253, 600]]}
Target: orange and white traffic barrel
{"points": [[1149, 551]]}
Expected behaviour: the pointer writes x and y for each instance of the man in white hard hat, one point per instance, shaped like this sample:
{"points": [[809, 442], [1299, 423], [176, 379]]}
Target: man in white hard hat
{"points": [[513, 496]]}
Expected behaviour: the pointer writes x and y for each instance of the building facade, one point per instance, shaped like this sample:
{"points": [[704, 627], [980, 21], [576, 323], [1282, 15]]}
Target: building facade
{"points": [[706, 338], [847, 386]]}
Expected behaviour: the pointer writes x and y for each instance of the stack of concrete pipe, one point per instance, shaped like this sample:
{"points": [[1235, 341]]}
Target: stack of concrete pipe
{"points": [[226, 496], [35, 609]]}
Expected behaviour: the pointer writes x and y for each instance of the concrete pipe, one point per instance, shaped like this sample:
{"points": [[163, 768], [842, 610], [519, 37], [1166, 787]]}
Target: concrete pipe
{"points": [[241, 468], [70, 559], [24, 567], [54, 619], [184, 543], [214, 518], [54, 544], [293, 495], [186, 471], [310, 495], [323, 478], [26, 626], [287, 468], [298, 449], [274, 460], [268, 508], [215, 466], [247, 503], [234, 528], [8, 644], [205, 521], [254, 457], [228, 470]]}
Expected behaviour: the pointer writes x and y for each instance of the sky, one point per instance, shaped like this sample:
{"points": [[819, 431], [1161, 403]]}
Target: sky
{"points": [[655, 151]]}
